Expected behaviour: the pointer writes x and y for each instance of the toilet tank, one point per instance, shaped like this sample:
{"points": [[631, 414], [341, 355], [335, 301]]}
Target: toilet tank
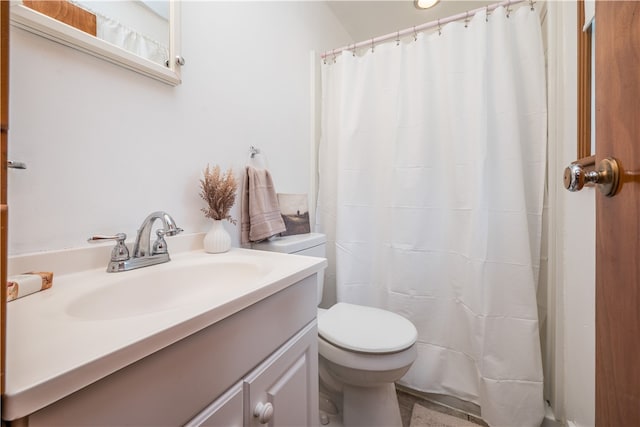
{"points": [[310, 244]]}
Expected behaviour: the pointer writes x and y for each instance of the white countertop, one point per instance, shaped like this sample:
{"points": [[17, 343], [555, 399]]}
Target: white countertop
{"points": [[53, 351]]}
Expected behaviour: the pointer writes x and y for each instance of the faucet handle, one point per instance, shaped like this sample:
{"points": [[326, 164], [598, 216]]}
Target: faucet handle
{"points": [[160, 245], [120, 252]]}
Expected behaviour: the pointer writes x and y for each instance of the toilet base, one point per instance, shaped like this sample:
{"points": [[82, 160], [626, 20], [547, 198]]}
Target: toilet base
{"points": [[371, 406]]}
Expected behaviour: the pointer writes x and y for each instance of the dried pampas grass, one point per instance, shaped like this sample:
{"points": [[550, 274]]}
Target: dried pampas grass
{"points": [[219, 191]]}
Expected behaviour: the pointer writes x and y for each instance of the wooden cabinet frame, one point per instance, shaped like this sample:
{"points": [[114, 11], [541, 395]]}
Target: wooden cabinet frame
{"points": [[584, 155]]}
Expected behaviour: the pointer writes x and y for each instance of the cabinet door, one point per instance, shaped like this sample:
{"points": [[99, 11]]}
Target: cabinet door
{"points": [[283, 390], [225, 411]]}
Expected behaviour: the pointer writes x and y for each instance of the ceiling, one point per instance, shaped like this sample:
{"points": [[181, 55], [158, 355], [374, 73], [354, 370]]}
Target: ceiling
{"points": [[365, 19]]}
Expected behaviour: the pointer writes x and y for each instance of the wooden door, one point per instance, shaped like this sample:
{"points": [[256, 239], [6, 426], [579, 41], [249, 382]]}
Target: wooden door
{"points": [[4, 115], [618, 218]]}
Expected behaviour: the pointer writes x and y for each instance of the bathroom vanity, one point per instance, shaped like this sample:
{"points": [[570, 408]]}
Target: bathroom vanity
{"points": [[244, 354]]}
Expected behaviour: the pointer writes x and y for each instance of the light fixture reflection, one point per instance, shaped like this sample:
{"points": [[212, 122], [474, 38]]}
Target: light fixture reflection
{"points": [[424, 4]]}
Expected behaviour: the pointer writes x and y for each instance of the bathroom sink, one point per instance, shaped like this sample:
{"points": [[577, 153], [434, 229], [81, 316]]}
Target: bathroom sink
{"points": [[164, 287], [91, 324]]}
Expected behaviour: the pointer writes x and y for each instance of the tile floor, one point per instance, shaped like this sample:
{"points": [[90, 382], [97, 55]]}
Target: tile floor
{"points": [[407, 400]]}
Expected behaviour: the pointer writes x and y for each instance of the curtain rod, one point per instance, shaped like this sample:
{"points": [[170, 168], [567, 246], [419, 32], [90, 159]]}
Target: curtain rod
{"points": [[422, 27]]}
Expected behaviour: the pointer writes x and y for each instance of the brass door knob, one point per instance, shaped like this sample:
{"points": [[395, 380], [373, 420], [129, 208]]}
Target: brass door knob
{"points": [[607, 177]]}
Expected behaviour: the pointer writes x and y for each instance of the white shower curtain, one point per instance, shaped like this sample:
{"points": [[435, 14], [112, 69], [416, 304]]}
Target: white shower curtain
{"points": [[432, 171]]}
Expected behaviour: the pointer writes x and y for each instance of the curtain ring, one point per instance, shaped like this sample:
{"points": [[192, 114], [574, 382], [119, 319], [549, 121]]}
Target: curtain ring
{"points": [[531, 2], [508, 8], [439, 28], [334, 56], [486, 17], [372, 45], [353, 51], [415, 34], [466, 19], [398, 38]]}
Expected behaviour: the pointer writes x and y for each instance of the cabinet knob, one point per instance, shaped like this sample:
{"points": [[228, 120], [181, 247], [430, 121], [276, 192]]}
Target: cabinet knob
{"points": [[264, 412]]}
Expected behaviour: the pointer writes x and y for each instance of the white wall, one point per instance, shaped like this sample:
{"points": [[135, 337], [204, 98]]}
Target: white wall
{"points": [[105, 146], [571, 302]]}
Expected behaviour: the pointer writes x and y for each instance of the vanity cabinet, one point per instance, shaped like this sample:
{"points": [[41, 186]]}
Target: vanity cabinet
{"points": [[276, 393], [227, 410], [262, 357]]}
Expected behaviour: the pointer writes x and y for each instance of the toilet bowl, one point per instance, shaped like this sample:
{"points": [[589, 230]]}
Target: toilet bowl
{"points": [[362, 350]]}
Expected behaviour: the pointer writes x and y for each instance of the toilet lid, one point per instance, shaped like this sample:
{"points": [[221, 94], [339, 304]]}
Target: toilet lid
{"points": [[366, 329]]}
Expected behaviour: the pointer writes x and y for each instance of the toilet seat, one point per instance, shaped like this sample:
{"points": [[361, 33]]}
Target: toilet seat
{"points": [[366, 329]]}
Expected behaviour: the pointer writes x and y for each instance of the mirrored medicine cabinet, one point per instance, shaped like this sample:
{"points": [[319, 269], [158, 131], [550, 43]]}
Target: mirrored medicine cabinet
{"points": [[141, 35]]}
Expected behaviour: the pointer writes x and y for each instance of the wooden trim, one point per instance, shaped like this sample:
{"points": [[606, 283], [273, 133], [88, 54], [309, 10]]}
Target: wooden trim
{"points": [[4, 144], [584, 86], [4, 136], [66, 12], [4, 66], [587, 162], [4, 225]]}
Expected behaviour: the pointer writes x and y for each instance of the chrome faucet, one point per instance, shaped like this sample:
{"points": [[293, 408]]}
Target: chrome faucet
{"points": [[144, 254]]}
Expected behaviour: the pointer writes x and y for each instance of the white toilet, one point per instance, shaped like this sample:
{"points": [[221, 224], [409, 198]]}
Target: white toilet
{"points": [[362, 350]]}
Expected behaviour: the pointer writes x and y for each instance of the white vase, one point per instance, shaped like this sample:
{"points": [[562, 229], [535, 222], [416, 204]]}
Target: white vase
{"points": [[217, 240]]}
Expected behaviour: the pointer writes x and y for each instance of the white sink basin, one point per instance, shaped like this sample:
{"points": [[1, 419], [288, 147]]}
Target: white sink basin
{"points": [[163, 287]]}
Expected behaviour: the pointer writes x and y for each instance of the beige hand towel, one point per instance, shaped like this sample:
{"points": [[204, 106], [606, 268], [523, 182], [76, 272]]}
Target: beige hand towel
{"points": [[261, 217]]}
